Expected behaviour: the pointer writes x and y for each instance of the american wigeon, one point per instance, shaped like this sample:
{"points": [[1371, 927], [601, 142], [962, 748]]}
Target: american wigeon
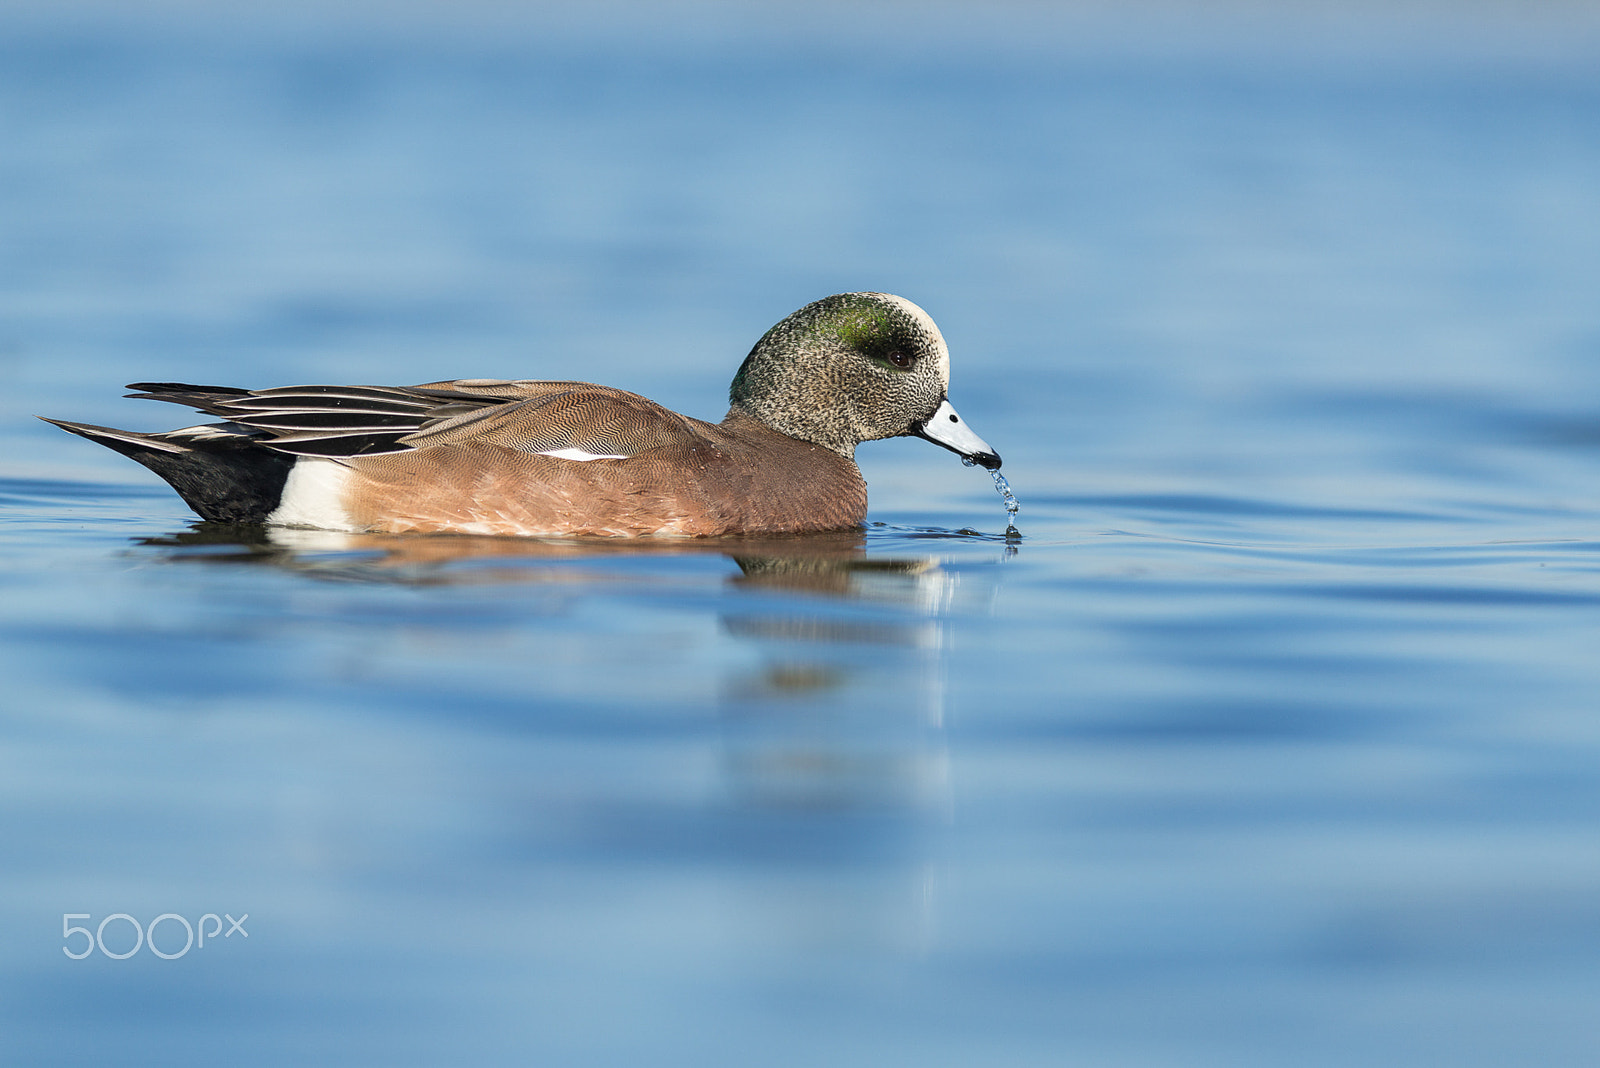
{"points": [[481, 456]]}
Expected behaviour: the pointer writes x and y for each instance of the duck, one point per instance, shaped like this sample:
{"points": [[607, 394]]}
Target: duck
{"points": [[571, 459]]}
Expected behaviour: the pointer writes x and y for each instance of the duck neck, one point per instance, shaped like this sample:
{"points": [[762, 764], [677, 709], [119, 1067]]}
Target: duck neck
{"points": [[743, 416], [834, 439]]}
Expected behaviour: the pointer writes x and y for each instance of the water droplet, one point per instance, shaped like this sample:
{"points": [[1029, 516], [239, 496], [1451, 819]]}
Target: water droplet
{"points": [[1012, 507]]}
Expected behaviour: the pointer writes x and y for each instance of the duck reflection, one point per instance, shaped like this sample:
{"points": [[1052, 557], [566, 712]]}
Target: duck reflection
{"points": [[834, 697], [834, 564], [827, 685]]}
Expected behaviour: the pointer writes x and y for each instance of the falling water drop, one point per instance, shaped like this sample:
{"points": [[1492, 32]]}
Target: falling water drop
{"points": [[1012, 506], [1013, 535]]}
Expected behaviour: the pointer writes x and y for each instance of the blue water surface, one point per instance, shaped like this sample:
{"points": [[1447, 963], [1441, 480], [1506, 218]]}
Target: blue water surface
{"points": [[1275, 740]]}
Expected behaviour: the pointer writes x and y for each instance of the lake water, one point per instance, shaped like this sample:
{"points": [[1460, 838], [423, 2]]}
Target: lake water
{"points": [[1275, 740]]}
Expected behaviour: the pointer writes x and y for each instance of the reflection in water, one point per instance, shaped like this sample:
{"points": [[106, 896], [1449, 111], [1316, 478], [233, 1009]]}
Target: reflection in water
{"points": [[836, 733], [454, 559], [882, 671], [830, 745]]}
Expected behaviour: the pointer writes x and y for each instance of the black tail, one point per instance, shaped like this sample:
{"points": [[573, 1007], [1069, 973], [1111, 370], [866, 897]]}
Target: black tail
{"points": [[219, 471]]}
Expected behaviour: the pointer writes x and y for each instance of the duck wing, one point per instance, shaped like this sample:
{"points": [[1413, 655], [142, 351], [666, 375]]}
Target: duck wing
{"points": [[570, 420]]}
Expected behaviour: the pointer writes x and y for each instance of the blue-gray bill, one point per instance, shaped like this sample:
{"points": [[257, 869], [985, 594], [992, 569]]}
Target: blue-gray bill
{"points": [[944, 427]]}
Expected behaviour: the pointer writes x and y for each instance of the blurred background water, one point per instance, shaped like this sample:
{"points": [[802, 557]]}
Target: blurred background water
{"points": [[1275, 741]]}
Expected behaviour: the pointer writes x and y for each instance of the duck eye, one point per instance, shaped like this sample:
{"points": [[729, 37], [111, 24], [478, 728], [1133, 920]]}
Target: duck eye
{"points": [[900, 359]]}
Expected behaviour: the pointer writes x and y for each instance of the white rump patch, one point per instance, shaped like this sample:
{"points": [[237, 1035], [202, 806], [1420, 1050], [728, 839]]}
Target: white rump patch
{"points": [[580, 455], [314, 496]]}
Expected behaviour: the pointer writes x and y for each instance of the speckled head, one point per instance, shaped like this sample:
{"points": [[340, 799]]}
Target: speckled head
{"points": [[855, 367]]}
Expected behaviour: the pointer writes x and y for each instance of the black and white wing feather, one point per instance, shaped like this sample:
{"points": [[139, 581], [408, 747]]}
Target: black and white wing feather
{"points": [[329, 421], [570, 420]]}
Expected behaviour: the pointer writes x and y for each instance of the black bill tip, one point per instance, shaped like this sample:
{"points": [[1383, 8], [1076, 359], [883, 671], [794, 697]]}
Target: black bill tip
{"points": [[991, 460]]}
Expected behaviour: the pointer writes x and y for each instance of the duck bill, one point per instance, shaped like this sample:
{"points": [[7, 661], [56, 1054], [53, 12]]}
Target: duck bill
{"points": [[944, 427]]}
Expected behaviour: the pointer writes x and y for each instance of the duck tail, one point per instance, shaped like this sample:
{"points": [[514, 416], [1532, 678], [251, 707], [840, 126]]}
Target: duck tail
{"points": [[220, 470]]}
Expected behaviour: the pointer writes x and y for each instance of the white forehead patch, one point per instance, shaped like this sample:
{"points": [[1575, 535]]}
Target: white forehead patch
{"points": [[927, 324]]}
